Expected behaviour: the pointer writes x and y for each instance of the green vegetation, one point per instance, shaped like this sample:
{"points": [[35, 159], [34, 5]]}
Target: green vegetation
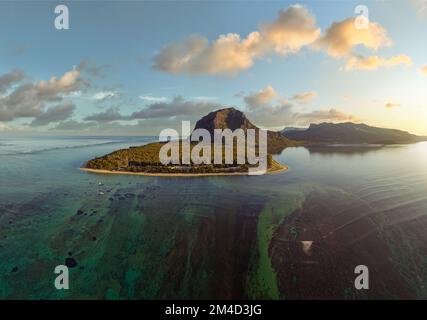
{"points": [[277, 143], [146, 159], [264, 282], [351, 133]]}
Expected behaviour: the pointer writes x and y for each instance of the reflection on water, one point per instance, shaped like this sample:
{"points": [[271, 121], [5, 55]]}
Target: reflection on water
{"points": [[298, 234], [343, 149]]}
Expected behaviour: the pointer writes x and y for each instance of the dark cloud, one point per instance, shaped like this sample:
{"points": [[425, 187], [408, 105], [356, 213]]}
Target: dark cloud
{"points": [[148, 127], [86, 66], [30, 99], [22, 102], [72, 125], [54, 114], [111, 114], [11, 78], [326, 115], [151, 120], [177, 107]]}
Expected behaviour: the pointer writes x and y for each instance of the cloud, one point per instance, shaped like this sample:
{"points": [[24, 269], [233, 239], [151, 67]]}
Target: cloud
{"points": [[72, 125], [261, 98], [359, 62], [391, 105], [420, 5], [105, 95], [226, 55], [50, 89], [292, 30], [267, 108], [24, 101], [4, 127], [162, 111], [267, 95], [423, 70], [229, 53], [111, 114], [305, 97], [89, 68], [177, 107], [30, 99], [9, 79], [146, 127], [152, 98], [341, 37], [327, 115], [206, 98], [54, 114]]}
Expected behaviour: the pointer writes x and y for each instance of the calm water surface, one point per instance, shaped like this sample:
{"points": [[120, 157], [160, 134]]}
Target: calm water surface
{"points": [[298, 234]]}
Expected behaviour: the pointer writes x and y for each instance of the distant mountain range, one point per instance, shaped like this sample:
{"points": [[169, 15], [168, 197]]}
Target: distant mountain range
{"points": [[350, 133], [323, 133]]}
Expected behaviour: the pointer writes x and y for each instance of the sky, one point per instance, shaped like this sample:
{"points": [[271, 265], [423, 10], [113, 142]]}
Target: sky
{"points": [[137, 67]]}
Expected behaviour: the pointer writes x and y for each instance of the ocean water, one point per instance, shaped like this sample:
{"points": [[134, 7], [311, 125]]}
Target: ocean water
{"points": [[294, 235]]}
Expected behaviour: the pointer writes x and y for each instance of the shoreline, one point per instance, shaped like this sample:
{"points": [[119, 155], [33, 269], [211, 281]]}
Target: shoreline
{"points": [[275, 168]]}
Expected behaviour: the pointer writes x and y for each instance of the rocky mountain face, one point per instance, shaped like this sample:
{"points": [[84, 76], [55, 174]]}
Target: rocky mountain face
{"points": [[351, 133], [231, 118]]}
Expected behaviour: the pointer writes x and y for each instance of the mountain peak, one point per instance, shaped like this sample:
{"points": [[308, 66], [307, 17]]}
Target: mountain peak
{"points": [[231, 118], [226, 118]]}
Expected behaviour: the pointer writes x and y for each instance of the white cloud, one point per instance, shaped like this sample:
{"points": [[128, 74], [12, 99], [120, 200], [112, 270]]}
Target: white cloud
{"points": [[359, 62], [266, 96], [68, 82], [304, 97], [262, 98], [420, 5], [341, 37], [153, 98], [267, 108], [294, 28], [391, 105], [423, 70], [105, 95], [204, 98], [4, 127]]}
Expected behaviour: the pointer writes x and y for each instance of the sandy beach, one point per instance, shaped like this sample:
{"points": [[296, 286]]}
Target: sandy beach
{"points": [[275, 168]]}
